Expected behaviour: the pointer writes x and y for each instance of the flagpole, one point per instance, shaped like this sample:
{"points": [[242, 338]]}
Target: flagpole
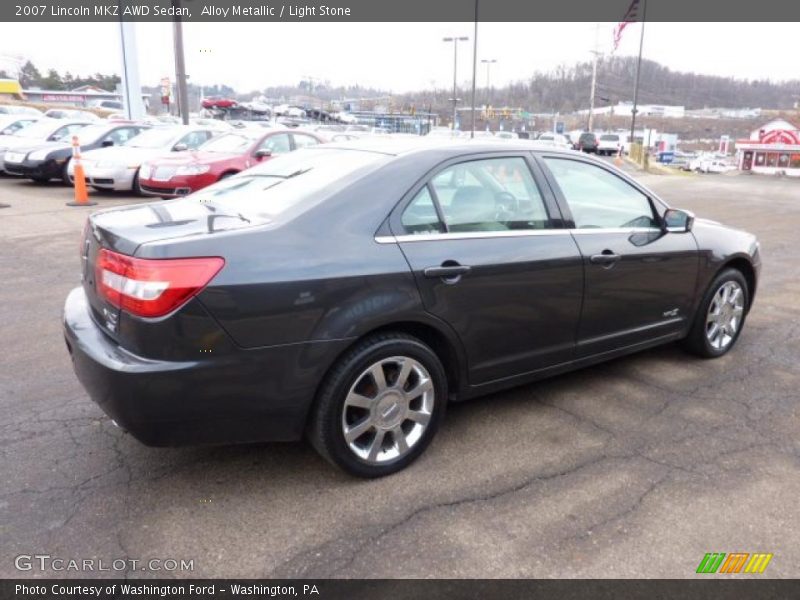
{"points": [[638, 68]]}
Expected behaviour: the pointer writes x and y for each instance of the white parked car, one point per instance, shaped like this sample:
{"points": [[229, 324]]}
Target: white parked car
{"points": [[67, 113], [15, 109], [555, 139], [43, 130], [710, 164], [117, 167], [444, 132], [10, 124], [609, 143]]}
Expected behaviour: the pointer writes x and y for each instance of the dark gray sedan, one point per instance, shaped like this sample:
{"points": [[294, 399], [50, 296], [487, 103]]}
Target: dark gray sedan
{"points": [[348, 293]]}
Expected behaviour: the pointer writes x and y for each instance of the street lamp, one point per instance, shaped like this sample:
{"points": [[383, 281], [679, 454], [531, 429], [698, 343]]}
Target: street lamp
{"points": [[455, 41], [488, 62]]}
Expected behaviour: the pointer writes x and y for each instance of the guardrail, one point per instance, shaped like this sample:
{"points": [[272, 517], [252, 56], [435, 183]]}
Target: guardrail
{"points": [[639, 155]]}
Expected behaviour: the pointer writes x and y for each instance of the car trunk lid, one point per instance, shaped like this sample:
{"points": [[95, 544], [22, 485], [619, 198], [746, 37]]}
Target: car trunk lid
{"points": [[123, 230]]}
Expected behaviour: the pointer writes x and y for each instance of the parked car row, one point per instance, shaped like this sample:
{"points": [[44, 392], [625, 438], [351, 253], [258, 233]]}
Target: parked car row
{"points": [[141, 157]]}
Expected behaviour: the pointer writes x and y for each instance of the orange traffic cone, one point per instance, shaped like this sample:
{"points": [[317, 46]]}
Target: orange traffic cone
{"points": [[618, 158], [81, 193]]}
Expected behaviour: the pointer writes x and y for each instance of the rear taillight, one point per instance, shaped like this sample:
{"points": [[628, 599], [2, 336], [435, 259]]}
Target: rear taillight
{"points": [[152, 287]]}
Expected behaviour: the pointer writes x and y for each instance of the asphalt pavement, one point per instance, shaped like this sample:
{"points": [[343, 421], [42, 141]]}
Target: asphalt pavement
{"points": [[634, 468]]}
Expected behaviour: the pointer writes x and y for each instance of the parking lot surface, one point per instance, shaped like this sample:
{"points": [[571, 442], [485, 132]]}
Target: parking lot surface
{"points": [[633, 468]]}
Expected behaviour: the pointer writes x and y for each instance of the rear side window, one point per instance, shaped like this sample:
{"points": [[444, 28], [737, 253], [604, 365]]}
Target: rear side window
{"points": [[495, 194], [598, 198], [420, 216], [301, 140]]}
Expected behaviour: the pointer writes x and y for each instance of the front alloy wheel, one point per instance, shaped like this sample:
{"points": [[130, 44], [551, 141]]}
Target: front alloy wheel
{"points": [[725, 315], [721, 315]]}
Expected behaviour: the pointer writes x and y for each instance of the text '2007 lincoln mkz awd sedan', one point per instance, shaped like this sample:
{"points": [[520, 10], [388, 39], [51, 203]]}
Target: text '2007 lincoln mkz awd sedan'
{"points": [[348, 293]]}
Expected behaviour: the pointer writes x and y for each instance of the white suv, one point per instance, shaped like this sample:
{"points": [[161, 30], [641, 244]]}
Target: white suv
{"points": [[608, 143]]}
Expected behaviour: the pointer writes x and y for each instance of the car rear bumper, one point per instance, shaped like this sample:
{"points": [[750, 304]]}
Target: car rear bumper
{"points": [[251, 396]]}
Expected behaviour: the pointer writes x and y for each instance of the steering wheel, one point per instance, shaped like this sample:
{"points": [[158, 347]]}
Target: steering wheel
{"points": [[506, 205]]}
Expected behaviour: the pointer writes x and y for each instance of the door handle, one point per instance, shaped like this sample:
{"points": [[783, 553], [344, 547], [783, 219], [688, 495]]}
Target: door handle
{"points": [[447, 271], [607, 258]]}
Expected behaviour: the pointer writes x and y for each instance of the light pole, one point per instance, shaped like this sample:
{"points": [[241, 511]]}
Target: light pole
{"points": [[488, 62], [455, 41]]}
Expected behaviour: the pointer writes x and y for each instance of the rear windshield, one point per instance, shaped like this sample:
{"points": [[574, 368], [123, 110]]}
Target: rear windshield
{"points": [[609, 138], [288, 183]]}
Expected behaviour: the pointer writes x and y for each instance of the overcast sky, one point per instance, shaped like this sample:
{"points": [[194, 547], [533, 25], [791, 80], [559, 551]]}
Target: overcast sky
{"points": [[396, 56]]}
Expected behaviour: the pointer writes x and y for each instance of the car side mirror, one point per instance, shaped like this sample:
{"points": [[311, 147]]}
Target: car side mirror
{"points": [[180, 147], [107, 143], [263, 153], [678, 221]]}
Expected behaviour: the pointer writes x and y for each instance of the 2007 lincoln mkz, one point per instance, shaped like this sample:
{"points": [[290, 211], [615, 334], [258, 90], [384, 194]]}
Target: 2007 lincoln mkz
{"points": [[349, 292]]}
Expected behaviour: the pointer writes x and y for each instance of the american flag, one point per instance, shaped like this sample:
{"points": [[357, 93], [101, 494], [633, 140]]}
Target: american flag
{"points": [[630, 16]]}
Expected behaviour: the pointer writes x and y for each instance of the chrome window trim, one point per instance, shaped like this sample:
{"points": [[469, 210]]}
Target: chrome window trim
{"points": [[433, 237]]}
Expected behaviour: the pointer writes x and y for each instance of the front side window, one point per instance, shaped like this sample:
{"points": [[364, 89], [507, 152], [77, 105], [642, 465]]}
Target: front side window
{"points": [[158, 137], [599, 199], [67, 131], [496, 194], [122, 135], [195, 139], [230, 143], [276, 144]]}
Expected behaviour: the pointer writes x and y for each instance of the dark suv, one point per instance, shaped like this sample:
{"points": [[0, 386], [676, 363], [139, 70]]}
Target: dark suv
{"points": [[588, 142]]}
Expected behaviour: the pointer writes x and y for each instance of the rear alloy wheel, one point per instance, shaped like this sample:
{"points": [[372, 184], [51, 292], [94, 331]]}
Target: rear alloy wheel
{"points": [[387, 409], [380, 406], [721, 316]]}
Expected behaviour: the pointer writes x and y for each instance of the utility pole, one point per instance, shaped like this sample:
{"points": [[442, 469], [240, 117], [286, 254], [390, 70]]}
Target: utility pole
{"points": [[638, 68], [180, 67], [132, 103], [474, 69], [488, 62], [596, 53], [455, 41]]}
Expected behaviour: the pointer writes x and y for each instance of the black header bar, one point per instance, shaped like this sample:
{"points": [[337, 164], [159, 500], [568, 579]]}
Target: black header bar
{"points": [[67, 11]]}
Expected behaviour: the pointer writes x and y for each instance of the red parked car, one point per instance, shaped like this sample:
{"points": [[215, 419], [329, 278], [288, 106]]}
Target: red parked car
{"points": [[225, 155]]}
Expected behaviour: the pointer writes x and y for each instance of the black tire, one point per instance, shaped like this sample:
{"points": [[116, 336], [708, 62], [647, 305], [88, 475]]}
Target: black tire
{"points": [[325, 429], [40, 179], [697, 341], [136, 188], [226, 175], [65, 174]]}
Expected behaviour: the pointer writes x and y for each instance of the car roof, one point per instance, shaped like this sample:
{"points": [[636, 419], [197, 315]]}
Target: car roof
{"points": [[453, 146]]}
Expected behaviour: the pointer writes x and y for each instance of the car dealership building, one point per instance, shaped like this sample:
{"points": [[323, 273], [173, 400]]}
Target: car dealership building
{"points": [[772, 149]]}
